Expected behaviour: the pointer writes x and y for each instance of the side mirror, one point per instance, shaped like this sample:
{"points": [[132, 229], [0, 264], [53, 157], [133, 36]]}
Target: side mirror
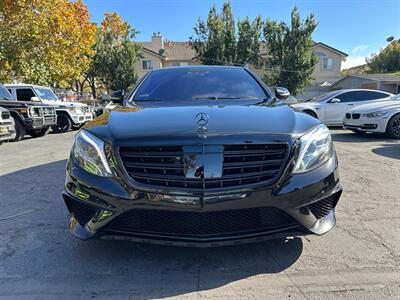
{"points": [[281, 93], [117, 96], [334, 100], [35, 99]]}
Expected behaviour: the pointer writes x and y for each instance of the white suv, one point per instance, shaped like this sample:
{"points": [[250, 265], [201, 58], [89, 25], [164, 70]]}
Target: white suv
{"points": [[69, 114], [331, 107]]}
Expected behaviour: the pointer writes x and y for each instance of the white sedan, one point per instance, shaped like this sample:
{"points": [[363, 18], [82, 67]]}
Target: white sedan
{"points": [[331, 107], [382, 116]]}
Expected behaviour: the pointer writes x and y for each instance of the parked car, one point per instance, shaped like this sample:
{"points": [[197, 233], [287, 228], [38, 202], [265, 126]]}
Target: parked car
{"points": [[331, 107], [30, 118], [69, 114], [201, 156], [383, 117], [7, 125]]}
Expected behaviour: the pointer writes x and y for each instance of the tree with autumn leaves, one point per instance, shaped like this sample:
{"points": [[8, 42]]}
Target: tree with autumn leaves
{"points": [[45, 41], [54, 42]]}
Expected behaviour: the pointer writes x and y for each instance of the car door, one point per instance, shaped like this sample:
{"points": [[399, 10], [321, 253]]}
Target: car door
{"points": [[336, 107], [24, 94]]}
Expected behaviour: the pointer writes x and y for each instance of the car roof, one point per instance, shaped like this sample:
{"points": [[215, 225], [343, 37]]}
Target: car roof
{"points": [[198, 67], [366, 90]]}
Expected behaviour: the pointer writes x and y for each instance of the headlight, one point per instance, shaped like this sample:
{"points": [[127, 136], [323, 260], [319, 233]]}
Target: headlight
{"points": [[33, 112], [88, 151], [316, 149], [75, 110], [375, 114]]}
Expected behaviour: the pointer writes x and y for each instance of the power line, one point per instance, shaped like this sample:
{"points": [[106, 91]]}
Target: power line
{"points": [[241, 65]]}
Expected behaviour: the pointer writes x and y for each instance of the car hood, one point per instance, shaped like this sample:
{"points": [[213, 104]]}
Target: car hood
{"points": [[64, 104], [17, 104], [124, 124], [371, 107], [305, 105]]}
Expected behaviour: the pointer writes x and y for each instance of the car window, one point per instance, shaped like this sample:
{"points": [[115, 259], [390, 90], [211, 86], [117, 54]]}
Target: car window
{"points": [[395, 98], [374, 95], [4, 94], [199, 83], [25, 94], [323, 97], [355, 96], [46, 93]]}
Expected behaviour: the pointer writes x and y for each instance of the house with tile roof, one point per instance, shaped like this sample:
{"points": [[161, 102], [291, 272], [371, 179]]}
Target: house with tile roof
{"points": [[159, 53]]}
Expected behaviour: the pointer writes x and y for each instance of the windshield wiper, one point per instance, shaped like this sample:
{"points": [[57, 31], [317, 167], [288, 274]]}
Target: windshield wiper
{"points": [[222, 98], [147, 100]]}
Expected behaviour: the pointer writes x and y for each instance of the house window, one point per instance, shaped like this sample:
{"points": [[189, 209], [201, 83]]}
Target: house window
{"points": [[326, 61], [147, 64]]}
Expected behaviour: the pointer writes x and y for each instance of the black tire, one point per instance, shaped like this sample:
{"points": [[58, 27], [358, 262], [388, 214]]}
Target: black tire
{"points": [[393, 127], [311, 113], [39, 132], [64, 124], [20, 130]]}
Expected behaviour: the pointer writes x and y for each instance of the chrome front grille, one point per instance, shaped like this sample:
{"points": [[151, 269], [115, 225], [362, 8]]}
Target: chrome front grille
{"points": [[5, 115], [166, 166]]}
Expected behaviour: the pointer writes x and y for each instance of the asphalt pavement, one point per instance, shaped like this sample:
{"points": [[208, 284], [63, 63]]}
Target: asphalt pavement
{"points": [[359, 258]]}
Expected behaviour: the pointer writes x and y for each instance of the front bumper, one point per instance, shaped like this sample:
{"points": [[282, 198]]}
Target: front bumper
{"points": [[82, 119], [366, 124], [40, 122], [109, 208], [7, 130]]}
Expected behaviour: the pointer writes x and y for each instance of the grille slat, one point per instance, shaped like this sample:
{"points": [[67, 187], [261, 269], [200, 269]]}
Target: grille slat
{"points": [[5, 115], [186, 223], [322, 208], [243, 164]]}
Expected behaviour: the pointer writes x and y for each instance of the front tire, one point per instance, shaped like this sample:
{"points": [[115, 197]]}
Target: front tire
{"points": [[39, 132], [64, 124], [393, 127], [20, 130]]}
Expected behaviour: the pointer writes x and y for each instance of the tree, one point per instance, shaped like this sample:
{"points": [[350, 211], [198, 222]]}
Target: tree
{"points": [[249, 41], [290, 51], [216, 42], [388, 60], [45, 41], [115, 55]]}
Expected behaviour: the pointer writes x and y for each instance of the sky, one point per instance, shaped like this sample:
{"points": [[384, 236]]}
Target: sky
{"points": [[358, 28]]}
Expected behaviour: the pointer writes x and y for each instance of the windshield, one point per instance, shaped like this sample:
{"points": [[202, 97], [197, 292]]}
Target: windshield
{"points": [[4, 93], [46, 94], [395, 98], [199, 84], [324, 97]]}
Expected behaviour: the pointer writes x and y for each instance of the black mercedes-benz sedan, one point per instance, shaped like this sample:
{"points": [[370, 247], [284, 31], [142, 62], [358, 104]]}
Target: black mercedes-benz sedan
{"points": [[201, 156]]}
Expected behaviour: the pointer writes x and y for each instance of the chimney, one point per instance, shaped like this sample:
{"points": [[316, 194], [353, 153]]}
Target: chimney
{"points": [[157, 41]]}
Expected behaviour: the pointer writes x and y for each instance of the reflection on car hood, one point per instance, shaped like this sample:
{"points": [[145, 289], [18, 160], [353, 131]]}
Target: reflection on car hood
{"points": [[127, 123], [380, 105]]}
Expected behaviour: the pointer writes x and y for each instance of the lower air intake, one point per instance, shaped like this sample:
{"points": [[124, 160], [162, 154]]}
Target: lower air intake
{"points": [[201, 223]]}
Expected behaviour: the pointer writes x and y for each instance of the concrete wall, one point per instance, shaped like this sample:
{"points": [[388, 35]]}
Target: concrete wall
{"points": [[173, 63]]}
